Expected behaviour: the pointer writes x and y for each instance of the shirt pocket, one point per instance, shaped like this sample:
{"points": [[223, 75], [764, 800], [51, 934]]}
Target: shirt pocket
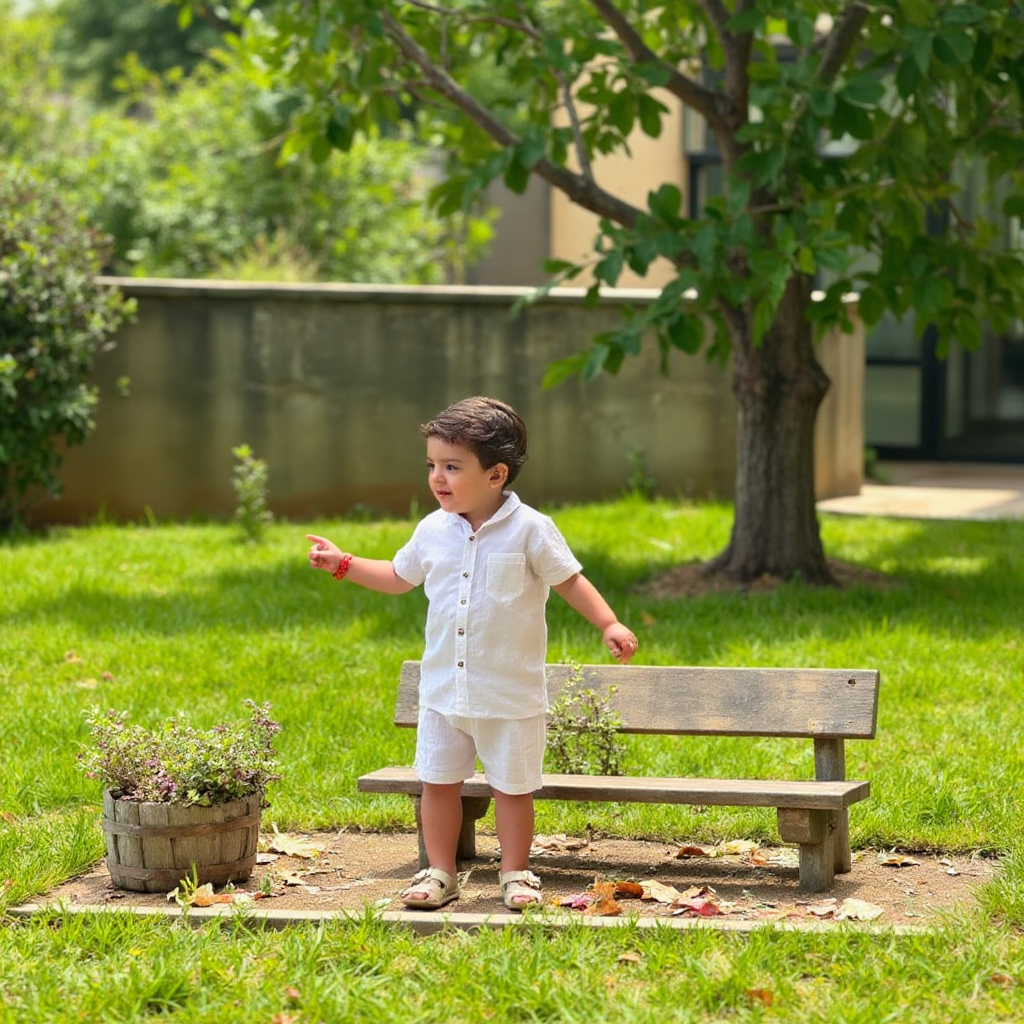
{"points": [[506, 576]]}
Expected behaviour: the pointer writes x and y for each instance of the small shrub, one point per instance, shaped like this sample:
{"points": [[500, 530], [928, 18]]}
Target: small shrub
{"points": [[583, 735], [177, 762], [54, 320], [250, 484]]}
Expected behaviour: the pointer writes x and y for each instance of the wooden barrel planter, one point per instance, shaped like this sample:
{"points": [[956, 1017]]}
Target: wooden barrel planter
{"points": [[152, 847]]}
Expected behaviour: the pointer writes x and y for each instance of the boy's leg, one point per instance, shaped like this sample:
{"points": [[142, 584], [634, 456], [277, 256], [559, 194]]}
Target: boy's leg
{"points": [[513, 816], [441, 811]]}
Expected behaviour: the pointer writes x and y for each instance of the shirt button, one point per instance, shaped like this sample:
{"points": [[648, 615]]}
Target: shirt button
{"points": [[462, 632], [472, 537], [463, 601], [461, 664], [465, 575]]}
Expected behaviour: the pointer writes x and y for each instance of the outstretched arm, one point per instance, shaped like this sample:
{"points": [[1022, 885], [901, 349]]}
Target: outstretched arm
{"points": [[373, 573], [580, 594]]}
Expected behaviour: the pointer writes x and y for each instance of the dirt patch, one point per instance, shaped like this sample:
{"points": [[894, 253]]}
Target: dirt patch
{"points": [[695, 579], [354, 870]]}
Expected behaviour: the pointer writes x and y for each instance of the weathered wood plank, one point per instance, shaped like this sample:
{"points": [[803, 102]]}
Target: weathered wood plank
{"points": [[696, 701], [634, 789]]}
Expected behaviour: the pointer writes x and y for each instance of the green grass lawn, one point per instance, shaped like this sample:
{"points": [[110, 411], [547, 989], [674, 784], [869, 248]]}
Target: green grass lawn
{"points": [[189, 619]]}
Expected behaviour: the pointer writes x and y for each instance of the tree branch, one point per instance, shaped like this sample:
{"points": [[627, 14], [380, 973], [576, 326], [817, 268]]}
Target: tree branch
{"points": [[448, 12], [578, 188], [705, 101], [842, 37]]}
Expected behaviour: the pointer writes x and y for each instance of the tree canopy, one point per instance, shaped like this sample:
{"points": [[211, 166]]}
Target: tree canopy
{"points": [[841, 126]]}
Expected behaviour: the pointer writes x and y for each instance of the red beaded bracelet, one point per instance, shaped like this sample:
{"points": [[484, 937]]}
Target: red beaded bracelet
{"points": [[343, 565]]}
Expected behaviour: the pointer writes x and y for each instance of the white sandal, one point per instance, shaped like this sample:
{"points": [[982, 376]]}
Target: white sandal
{"points": [[519, 884], [438, 887]]}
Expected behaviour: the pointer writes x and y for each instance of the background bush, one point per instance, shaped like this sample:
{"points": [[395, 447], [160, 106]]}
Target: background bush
{"points": [[54, 319]]}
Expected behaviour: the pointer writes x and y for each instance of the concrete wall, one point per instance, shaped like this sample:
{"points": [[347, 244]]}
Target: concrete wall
{"points": [[329, 384]]}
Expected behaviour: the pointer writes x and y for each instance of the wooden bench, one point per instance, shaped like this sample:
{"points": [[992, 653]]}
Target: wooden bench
{"points": [[828, 706]]}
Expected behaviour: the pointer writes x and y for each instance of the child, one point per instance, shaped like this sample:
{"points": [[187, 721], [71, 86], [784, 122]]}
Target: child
{"points": [[487, 562]]}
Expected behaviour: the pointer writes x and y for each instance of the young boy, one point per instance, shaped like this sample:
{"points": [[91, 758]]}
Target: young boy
{"points": [[487, 562]]}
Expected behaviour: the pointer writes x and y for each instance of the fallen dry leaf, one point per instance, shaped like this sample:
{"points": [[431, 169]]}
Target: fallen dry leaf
{"points": [[630, 957], [685, 852], [659, 892], [1002, 980], [630, 889], [604, 904], [858, 910], [760, 995], [823, 908], [738, 846], [556, 844], [897, 860], [292, 845], [204, 896], [698, 905]]}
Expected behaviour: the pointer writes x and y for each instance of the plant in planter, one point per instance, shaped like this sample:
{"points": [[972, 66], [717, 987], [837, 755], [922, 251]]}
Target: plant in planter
{"points": [[178, 801]]}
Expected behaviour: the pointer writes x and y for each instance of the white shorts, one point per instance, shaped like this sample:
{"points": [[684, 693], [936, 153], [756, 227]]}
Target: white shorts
{"points": [[510, 750]]}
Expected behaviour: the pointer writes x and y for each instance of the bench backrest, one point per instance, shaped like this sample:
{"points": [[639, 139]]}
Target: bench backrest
{"points": [[822, 703]]}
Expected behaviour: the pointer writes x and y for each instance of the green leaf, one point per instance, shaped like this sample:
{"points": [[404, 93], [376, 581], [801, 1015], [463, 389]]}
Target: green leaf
{"points": [[686, 333], [340, 128], [954, 48], [517, 177], [863, 92], [622, 111], [184, 16], [823, 102], [594, 362], [962, 14], [650, 115], [872, 305], [931, 294], [554, 266], [921, 50], [609, 269], [851, 120], [764, 315], [805, 260], [320, 149], [1013, 206], [562, 369], [746, 21], [908, 75], [666, 203]]}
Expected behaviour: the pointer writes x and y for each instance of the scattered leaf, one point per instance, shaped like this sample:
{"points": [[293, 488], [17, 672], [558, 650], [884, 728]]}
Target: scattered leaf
{"points": [[823, 908], [738, 847], [107, 677], [204, 896], [556, 844], [685, 852], [630, 889], [659, 892], [1002, 980], [604, 904], [577, 901], [858, 910], [72, 658], [292, 845], [292, 993], [698, 905], [267, 858], [630, 957], [760, 995], [897, 860]]}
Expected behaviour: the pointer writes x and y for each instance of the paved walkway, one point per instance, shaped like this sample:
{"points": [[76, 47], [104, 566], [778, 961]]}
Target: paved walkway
{"points": [[939, 490]]}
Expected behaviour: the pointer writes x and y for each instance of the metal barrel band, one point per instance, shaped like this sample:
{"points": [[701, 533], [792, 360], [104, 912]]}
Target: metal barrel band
{"points": [[171, 876]]}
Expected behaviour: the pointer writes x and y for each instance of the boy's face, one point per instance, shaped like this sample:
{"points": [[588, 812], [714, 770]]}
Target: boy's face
{"points": [[460, 484]]}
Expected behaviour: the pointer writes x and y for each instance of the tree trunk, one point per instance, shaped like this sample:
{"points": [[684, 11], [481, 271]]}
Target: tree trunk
{"points": [[779, 387]]}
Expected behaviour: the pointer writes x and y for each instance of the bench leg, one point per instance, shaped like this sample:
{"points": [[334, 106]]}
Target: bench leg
{"points": [[473, 808], [812, 829], [843, 855]]}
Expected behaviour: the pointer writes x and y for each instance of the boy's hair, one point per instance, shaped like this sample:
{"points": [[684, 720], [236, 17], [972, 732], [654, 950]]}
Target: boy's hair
{"points": [[490, 429]]}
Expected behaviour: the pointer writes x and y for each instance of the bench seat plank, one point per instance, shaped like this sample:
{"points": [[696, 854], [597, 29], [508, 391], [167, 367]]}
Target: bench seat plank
{"points": [[810, 795]]}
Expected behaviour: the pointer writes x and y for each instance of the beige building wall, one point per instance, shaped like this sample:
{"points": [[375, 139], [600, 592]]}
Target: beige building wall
{"points": [[650, 164], [330, 383]]}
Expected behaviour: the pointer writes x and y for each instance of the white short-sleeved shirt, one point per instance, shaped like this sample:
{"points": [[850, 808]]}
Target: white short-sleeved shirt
{"points": [[486, 635]]}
